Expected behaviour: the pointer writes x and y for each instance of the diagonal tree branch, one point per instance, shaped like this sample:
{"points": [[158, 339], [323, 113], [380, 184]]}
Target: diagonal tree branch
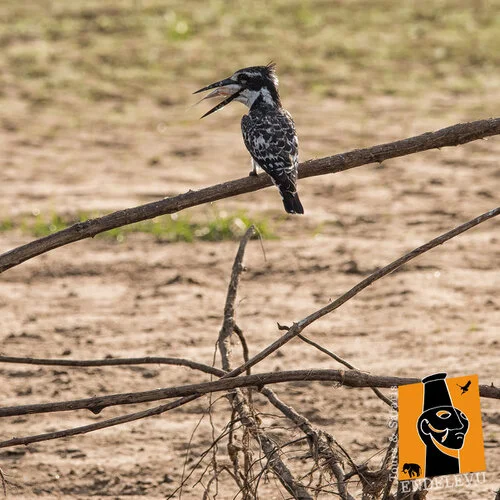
{"points": [[320, 442], [297, 328], [485, 391], [449, 136], [350, 378], [332, 355], [81, 363], [239, 402], [84, 429], [228, 324]]}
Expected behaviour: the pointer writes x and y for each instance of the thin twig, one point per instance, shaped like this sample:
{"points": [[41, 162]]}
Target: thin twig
{"points": [[319, 442], [449, 136], [244, 346], [202, 456], [232, 452], [148, 360], [302, 324], [342, 361], [238, 401], [84, 429], [274, 460], [4, 483], [388, 462], [227, 329], [188, 451], [485, 391], [206, 493], [247, 475]]}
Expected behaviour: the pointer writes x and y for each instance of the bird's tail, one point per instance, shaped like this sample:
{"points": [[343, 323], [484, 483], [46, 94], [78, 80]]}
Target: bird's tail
{"points": [[291, 202]]}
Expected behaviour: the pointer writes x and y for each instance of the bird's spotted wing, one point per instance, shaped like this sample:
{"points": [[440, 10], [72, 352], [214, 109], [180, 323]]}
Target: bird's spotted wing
{"points": [[271, 140]]}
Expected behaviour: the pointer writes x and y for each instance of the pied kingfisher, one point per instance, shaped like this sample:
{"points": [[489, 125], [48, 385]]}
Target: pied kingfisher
{"points": [[268, 129]]}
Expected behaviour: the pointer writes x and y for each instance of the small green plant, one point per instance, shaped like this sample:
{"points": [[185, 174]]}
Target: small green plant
{"points": [[43, 226], [6, 225], [174, 228], [230, 227], [168, 228]]}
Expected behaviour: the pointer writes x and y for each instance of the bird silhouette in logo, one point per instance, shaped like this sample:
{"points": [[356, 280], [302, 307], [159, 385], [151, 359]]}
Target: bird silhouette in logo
{"points": [[465, 387]]}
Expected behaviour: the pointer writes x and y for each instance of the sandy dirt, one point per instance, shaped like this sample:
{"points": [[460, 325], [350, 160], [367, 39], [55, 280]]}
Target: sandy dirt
{"points": [[98, 298]]}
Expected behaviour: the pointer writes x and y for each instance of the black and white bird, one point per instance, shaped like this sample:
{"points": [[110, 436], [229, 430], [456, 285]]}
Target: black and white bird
{"points": [[268, 129]]}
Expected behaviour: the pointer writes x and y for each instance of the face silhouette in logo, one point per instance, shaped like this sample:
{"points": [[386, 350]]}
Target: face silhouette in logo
{"points": [[442, 427]]}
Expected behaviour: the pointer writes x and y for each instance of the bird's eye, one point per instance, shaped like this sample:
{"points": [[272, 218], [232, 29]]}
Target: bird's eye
{"points": [[243, 79]]}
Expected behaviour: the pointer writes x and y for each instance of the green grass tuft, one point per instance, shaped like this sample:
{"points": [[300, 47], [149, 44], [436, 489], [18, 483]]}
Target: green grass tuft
{"points": [[168, 228], [173, 228], [6, 225], [43, 226]]}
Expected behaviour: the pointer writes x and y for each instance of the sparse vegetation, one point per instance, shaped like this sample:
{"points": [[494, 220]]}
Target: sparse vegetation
{"points": [[168, 228], [116, 49], [95, 117]]}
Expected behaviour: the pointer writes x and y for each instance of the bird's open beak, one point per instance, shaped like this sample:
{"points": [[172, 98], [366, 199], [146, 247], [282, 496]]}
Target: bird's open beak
{"points": [[225, 87]]}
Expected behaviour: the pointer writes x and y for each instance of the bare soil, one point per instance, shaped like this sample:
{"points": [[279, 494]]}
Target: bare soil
{"points": [[140, 297]]}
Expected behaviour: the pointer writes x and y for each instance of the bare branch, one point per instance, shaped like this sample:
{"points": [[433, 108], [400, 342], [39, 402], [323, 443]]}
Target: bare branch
{"points": [[450, 136], [342, 361], [148, 360], [228, 323], [238, 401], [244, 346], [301, 325], [260, 380], [270, 449], [4, 483], [247, 475], [320, 442], [387, 464], [351, 378], [122, 419], [224, 344], [488, 391], [225, 432], [396, 264]]}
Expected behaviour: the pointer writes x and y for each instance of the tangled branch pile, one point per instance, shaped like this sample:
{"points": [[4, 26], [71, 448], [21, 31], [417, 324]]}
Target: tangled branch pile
{"points": [[306, 461]]}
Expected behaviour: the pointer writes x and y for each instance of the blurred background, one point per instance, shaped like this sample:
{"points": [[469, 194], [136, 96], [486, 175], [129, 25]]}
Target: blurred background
{"points": [[97, 114], [95, 97]]}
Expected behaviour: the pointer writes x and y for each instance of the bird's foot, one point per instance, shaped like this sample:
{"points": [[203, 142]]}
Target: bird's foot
{"points": [[252, 173]]}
